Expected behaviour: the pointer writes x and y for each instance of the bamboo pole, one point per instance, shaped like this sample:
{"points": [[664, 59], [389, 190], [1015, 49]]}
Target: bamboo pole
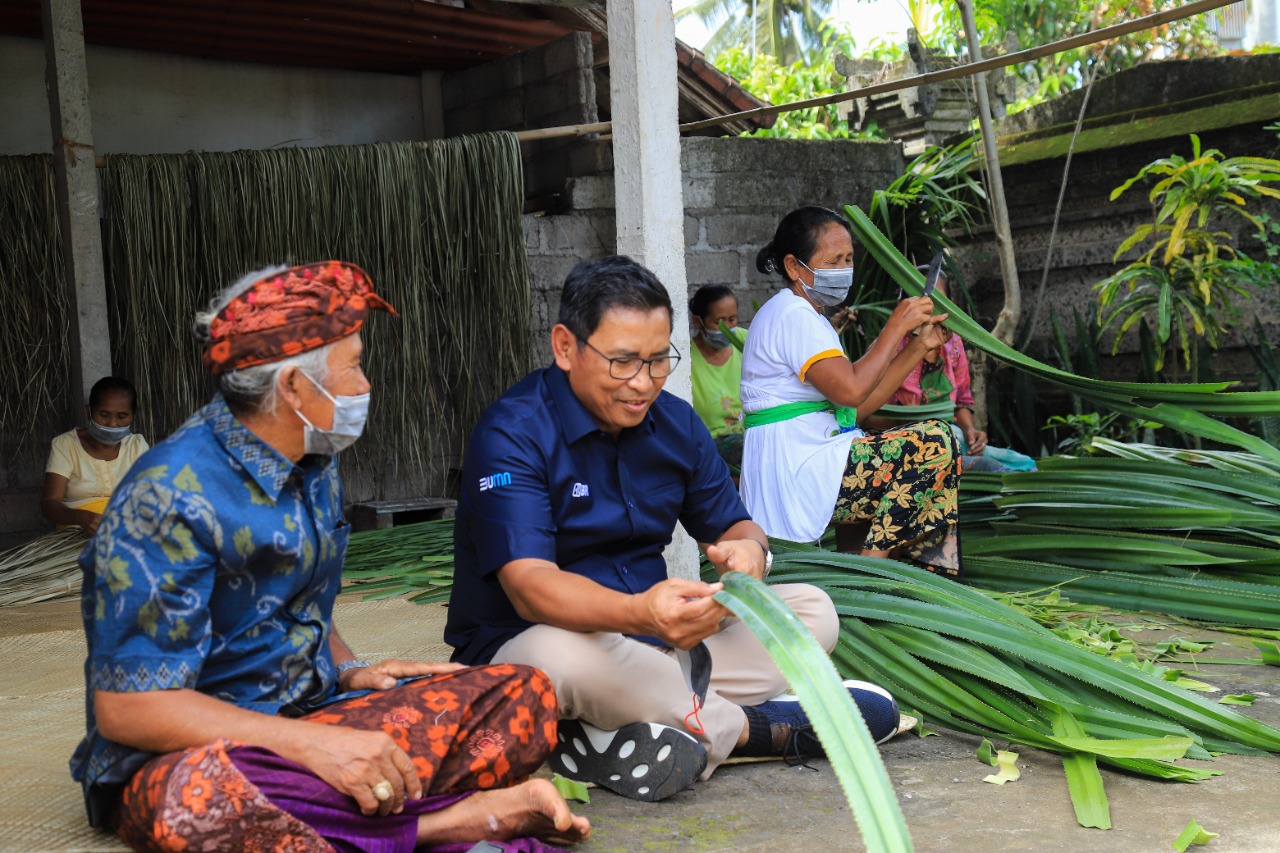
{"points": [[1007, 323], [1011, 311]]}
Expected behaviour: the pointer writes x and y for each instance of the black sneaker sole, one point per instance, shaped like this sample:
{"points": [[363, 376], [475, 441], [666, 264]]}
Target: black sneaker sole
{"points": [[641, 761]]}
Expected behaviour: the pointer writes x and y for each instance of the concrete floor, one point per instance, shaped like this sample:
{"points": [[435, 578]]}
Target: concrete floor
{"points": [[948, 807], [769, 806]]}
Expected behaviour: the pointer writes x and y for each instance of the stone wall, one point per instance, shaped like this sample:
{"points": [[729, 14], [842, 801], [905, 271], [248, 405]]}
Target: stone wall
{"points": [[735, 192], [1218, 102]]}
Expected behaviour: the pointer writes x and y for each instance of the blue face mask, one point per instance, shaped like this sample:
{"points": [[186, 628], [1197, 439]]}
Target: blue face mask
{"points": [[830, 287], [108, 435]]}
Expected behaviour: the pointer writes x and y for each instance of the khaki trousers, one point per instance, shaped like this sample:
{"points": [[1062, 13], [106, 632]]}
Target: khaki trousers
{"points": [[610, 680]]}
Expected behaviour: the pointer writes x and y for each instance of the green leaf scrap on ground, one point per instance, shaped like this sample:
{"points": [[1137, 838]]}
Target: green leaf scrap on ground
{"points": [[571, 789], [987, 753], [1193, 834], [921, 729], [1238, 699], [1270, 652], [1180, 645], [1009, 772]]}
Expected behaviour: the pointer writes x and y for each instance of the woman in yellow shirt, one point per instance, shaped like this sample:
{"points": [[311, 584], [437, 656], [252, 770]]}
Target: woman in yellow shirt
{"points": [[85, 463]]}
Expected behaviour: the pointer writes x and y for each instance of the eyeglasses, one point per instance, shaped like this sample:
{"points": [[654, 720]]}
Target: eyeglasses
{"points": [[628, 367]]}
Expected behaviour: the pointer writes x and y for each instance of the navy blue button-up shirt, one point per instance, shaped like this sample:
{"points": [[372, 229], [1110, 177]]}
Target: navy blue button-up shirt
{"points": [[541, 480]]}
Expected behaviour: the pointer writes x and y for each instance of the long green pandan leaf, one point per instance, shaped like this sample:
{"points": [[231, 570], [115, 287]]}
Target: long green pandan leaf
{"points": [[905, 595], [1221, 601], [1181, 406], [1084, 782], [409, 558], [840, 727]]}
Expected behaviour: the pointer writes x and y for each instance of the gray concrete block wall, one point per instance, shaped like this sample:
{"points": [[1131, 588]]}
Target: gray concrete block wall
{"points": [[551, 86], [738, 190], [735, 192]]}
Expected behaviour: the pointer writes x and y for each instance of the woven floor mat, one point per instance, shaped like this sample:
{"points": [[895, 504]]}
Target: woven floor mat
{"points": [[42, 717]]}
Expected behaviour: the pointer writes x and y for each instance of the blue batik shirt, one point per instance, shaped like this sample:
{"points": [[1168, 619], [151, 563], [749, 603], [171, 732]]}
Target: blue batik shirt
{"points": [[215, 568]]}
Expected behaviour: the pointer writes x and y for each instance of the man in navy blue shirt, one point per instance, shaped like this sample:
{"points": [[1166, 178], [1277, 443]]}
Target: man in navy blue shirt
{"points": [[572, 486]]}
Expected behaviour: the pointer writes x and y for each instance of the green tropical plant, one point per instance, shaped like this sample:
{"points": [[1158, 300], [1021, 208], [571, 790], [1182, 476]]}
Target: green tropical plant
{"points": [[1081, 429], [787, 29], [1186, 278], [782, 82], [1188, 407], [1021, 25], [1003, 666], [1205, 186], [937, 193]]}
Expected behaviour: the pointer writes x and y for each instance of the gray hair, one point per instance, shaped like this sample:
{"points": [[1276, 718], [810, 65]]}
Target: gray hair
{"points": [[255, 388]]}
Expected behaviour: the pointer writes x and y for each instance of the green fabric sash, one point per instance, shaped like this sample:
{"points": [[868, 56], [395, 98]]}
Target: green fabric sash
{"points": [[934, 385], [846, 416]]}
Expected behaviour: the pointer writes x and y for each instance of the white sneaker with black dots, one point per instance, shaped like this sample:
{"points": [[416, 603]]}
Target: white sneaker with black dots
{"points": [[642, 761]]}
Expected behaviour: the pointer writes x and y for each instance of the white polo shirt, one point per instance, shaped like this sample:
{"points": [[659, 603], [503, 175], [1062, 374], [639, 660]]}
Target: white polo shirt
{"points": [[791, 470]]}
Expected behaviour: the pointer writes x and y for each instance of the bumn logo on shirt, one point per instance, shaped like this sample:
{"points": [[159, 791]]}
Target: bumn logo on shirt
{"points": [[495, 480], [581, 490]]}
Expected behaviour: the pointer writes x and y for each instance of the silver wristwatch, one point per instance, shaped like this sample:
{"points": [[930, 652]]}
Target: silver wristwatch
{"points": [[349, 665], [768, 558]]}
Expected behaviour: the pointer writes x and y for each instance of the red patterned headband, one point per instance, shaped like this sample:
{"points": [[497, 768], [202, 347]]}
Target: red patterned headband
{"points": [[290, 312]]}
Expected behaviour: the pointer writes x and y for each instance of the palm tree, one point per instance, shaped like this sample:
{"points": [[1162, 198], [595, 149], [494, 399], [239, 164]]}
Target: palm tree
{"points": [[785, 29]]}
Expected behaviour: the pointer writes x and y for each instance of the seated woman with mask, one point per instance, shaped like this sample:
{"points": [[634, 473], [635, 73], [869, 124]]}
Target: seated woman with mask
{"points": [[85, 463], [805, 463], [717, 369], [944, 374]]}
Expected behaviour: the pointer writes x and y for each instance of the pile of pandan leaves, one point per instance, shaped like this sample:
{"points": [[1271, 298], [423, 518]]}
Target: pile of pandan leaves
{"points": [[1193, 534]]}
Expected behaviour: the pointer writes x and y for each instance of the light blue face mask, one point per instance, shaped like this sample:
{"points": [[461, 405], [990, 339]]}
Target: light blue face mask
{"points": [[349, 416], [108, 435], [830, 286]]}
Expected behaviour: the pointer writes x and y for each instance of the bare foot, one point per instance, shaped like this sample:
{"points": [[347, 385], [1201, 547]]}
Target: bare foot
{"points": [[531, 808]]}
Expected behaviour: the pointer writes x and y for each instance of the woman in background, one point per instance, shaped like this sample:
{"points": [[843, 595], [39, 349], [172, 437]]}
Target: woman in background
{"points": [[717, 369], [944, 374], [86, 463]]}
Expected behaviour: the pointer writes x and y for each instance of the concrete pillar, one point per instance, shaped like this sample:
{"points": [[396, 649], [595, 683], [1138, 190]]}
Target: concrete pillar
{"points": [[646, 157], [67, 82]]}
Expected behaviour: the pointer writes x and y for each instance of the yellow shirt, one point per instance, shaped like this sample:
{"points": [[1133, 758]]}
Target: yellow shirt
{"points": [[91, 480]]}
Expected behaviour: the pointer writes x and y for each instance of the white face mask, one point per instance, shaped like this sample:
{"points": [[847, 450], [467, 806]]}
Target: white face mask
{"points": [[830, 286], [349, 416]]}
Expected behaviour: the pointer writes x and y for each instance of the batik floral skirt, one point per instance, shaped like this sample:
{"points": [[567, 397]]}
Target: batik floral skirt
{"points": [[474, 729], [904, 481]]}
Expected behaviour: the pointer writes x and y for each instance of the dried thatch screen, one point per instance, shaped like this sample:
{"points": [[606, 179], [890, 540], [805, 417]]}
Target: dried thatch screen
{"points": [[34, 357], [437, 226]]}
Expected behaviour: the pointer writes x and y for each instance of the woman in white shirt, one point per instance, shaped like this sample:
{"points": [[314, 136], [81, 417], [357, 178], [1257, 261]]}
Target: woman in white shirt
{"points": [[85, 463], [805, 463]]}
